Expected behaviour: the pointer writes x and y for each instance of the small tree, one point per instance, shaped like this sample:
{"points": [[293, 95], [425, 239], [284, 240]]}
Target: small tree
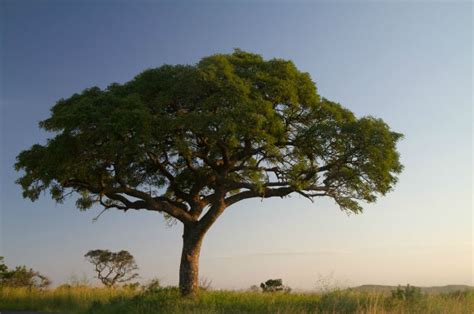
{"points": [[21, 276], [274, 285], [112, 268]]}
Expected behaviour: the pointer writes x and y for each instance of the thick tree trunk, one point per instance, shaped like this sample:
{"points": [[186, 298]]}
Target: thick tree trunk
{"points": [[189, 268], [192, 239]]}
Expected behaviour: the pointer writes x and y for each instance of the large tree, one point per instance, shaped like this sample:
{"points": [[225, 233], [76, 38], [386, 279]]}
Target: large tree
{"points": [[188, 141]]}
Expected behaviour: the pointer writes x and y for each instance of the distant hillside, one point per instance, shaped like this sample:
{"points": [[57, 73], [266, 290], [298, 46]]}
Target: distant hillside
{"points": [[387, 289]]}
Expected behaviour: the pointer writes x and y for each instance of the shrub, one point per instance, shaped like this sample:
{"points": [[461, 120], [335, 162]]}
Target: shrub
{"points": [[274, 285], [408, 293], [153, 286]]}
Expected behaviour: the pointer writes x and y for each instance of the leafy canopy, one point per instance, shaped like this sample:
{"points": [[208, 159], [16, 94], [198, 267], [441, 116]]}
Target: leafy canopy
{"points": [[181, 139], [21, 276]]}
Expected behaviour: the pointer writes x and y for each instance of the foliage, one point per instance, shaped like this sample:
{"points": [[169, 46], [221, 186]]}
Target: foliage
{"points": [[407, 293], [274, 285], [153, 286], [232, 127], [3, 267], [113, 267], [21, 276], [168, 300]]}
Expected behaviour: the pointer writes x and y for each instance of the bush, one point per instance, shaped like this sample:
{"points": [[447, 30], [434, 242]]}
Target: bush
{"points": [[274, 285], [153, 286], [408, 293]]}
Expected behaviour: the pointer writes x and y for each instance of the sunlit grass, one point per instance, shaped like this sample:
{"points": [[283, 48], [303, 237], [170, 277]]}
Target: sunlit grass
{"points": [[76, 299], [84, 299]]}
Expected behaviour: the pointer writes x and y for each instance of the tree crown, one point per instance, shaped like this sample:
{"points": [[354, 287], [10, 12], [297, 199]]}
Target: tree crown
{"points": [[181, 139]]}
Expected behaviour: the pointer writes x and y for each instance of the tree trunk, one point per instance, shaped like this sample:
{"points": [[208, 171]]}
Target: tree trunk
{"points": [[189, 268]]}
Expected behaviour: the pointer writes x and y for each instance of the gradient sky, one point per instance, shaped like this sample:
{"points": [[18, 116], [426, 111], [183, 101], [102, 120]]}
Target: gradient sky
{"points": [[408, 63]]}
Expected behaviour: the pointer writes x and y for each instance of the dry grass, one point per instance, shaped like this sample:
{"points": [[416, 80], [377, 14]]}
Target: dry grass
{"points": [[84, 299]]}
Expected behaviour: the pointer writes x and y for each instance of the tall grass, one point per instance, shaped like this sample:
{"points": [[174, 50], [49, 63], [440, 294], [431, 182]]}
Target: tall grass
{"points": [[77, 299], [83, 299]]}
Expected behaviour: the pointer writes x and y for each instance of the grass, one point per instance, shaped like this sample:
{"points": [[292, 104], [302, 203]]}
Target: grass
{"points": [[84, 299], [76, 299]]}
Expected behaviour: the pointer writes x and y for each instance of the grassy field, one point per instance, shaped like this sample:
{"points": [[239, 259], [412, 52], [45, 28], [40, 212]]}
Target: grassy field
{"points": [[83, 299]]}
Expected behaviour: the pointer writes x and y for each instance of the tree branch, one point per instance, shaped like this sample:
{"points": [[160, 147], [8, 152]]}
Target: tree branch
{"points": [[145, 200], [266, 193]]}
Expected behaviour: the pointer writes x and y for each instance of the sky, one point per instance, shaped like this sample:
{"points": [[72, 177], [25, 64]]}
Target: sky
{"points": [[409, 63]]}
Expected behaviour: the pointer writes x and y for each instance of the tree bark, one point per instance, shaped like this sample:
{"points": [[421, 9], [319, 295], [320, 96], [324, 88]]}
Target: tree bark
{"points": [[189, 268]]}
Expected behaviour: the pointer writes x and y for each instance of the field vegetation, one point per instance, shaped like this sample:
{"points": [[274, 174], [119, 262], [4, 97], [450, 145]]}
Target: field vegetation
{"points": [[155, 299]]}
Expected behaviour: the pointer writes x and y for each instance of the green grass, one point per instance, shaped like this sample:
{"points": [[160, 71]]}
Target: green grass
{"points": [[101, 300], [71, 300]]}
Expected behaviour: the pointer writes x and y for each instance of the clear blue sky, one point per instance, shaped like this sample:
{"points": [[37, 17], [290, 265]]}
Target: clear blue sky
{"points": [[408, 63]]}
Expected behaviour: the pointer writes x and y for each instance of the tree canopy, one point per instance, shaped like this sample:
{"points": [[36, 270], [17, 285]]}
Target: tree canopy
{"points": [[175, 136]]}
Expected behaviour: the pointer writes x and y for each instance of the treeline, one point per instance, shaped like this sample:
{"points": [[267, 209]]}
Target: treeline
{"points": [[21, 276], [111, 268]]}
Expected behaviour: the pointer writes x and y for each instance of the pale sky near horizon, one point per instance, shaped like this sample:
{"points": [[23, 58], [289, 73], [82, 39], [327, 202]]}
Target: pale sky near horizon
{"points": [[409, 63]]}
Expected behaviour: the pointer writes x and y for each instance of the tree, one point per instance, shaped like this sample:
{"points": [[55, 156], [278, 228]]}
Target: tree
{"points": [[274, 285], [112, 268], [3, 267], [188, 141], [22, 277]]}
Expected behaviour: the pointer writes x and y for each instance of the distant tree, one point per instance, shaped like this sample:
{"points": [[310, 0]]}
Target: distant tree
{"points": [[407, 293], [22, 276], [3, 271], [3, 267], [113, 268], [189, 141], [274, 285], [254, 288]]}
